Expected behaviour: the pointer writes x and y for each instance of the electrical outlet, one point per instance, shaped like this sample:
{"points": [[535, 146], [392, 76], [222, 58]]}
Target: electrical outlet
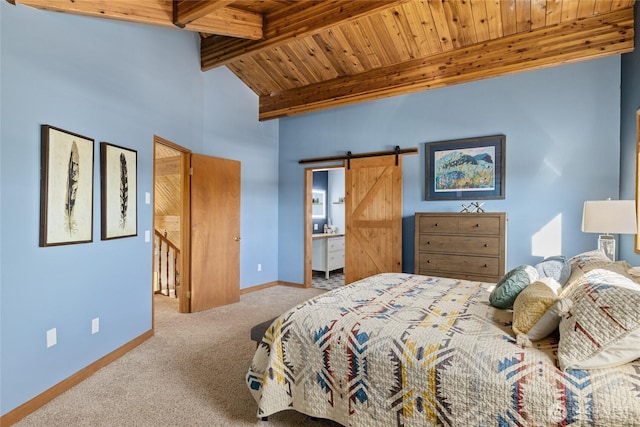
{"points": [[315, 227], [259, 267], [95, 325], [52, 337]]}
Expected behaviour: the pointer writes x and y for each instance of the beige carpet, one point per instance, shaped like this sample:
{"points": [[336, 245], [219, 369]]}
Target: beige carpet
{"points": [[191, 373]]}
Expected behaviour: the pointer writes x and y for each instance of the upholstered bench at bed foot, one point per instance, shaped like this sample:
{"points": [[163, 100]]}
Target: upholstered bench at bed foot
{"points": [[258, 331]]}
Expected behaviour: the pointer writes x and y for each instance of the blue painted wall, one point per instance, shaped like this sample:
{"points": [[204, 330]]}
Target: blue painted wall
{"points": [[629, 105], [232, 131], [562, 126], [120, 83], [124, 83]]}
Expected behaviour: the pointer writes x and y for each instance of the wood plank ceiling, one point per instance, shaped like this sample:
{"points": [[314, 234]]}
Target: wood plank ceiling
{"points": [[303, 56]]}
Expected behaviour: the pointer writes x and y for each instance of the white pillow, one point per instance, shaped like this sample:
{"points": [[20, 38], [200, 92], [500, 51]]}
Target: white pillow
{"points": [[549, 321], [602, 329]]}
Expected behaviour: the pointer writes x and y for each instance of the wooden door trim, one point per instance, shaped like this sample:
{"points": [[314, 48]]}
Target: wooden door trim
{"points": [[185, 221], [308, 186], [637, 189]]}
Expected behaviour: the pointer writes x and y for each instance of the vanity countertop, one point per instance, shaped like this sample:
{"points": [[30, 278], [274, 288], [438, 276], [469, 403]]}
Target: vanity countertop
{"points": [[326, 235]]}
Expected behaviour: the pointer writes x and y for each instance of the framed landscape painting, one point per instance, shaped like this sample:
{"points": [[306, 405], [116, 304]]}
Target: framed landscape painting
{"points": [[119, 183], [472, 168], [66, 187]]}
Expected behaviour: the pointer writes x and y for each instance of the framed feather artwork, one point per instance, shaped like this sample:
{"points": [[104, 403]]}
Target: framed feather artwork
{"points": [[119, 183], [66, 187]]}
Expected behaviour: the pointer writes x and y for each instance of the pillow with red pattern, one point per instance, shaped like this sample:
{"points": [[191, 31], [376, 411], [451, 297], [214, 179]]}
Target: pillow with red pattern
{"points": [[602, 328]]}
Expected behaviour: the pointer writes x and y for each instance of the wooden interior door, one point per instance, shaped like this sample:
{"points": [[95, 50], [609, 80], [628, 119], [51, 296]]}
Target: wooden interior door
{"points": [[215, 232], [373, 217]]}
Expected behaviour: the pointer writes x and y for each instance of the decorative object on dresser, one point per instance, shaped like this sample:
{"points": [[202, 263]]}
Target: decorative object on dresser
{"points": [[327, 253], [473, 207], [472, 168], [469, 246]]}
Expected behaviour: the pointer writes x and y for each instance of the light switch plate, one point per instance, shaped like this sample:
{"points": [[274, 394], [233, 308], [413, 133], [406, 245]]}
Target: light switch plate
{"points": [[147, 198], [52, 337], [147, 235]]}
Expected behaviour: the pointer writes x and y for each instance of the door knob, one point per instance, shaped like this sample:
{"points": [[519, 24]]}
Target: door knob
{"points": [[236, 238]]}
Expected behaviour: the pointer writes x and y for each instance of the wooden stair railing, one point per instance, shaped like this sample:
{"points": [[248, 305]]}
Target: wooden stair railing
{"points": [[167, 267]]}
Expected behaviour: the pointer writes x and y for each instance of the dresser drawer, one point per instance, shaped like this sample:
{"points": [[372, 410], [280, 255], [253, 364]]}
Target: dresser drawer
{"points": [[437, 224], [488, 266], [479, 225], [335, 244], [463, 276], [481, 245], [335, 260]]}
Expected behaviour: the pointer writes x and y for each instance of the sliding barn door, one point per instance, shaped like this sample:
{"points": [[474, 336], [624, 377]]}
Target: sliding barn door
{"points": [[215, 232], [373, 202]]}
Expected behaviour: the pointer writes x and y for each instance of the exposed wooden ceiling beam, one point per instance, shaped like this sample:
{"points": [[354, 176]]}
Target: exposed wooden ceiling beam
{"points": [[563, 43], [232, 22], [226, 21], [299, 21], [187, 11]]}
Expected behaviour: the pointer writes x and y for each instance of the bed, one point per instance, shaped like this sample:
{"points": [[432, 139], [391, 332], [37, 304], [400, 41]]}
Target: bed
{"points": [[407, 350]]}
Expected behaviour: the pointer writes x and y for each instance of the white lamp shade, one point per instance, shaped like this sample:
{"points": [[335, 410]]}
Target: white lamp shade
{"points": [[610, 216]]}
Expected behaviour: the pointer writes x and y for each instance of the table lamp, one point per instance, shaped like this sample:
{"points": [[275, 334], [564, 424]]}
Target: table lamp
{"points": [[609, 217]]}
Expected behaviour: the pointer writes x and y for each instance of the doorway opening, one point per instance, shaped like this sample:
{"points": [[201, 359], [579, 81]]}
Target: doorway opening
{"points": [[373, 214], [324, 227], [171, 204]]}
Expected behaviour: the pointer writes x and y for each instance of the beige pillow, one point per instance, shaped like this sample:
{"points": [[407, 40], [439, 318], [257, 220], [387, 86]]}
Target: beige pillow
{"points": [[536, 311], [585, 258], [578, 272], [602, 328]]}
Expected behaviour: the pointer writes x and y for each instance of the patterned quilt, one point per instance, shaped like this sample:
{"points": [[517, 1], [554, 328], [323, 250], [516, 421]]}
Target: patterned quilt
{"points": [[407, 350]]}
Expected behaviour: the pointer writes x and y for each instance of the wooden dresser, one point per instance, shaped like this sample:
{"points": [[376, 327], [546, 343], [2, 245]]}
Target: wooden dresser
{"points": [[469, 246]]}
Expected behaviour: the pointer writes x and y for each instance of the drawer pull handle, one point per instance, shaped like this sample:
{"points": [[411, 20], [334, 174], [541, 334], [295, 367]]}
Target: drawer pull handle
{"points": [[428, 261], [477, 225], [429, 242], [485, 266], [486, 245], [436, 224]]}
